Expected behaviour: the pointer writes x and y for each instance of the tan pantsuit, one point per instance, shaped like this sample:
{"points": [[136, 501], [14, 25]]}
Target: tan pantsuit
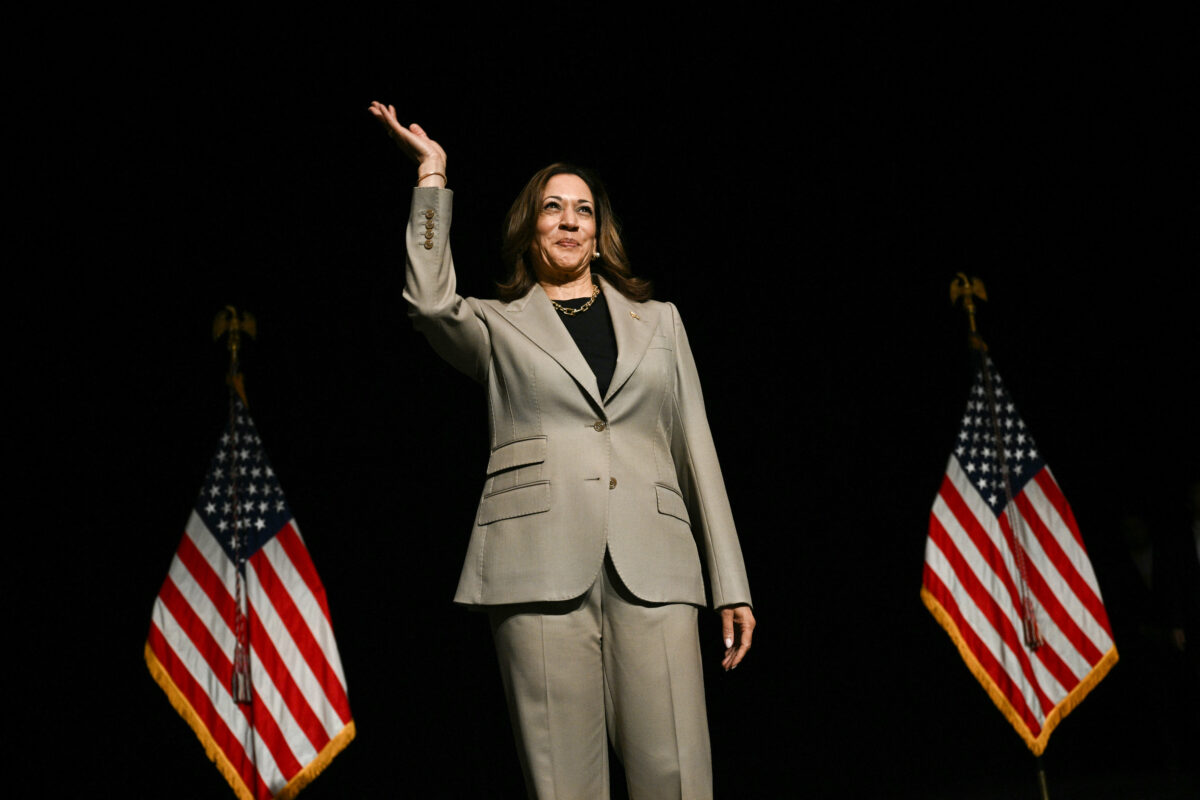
{"points": [[583, 493], [602, 667]]}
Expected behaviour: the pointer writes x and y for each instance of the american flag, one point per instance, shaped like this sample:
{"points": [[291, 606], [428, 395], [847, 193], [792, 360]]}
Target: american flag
{"points": [[1006, 572], [296, 716]]}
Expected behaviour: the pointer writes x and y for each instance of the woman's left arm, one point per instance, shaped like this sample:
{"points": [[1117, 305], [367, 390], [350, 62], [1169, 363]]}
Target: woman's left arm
{"points": [[703, 487]]}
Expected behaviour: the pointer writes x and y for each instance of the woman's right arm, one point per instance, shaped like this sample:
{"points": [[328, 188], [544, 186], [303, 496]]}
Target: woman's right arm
{"points": [[453, 324]]}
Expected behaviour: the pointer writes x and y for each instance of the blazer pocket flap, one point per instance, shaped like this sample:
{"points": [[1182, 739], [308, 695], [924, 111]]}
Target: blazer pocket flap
{"points": [[528, 498], [517, 453], [671, 502]]}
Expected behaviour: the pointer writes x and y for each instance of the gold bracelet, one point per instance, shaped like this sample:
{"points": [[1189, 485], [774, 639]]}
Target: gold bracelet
{"points": [[430, 175]]}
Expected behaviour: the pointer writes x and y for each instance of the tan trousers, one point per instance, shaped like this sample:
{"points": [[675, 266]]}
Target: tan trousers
{"points": [[606, 664]]}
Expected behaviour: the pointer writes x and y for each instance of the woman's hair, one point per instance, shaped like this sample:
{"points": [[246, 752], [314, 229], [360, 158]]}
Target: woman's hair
{"points": [[521, 225]]}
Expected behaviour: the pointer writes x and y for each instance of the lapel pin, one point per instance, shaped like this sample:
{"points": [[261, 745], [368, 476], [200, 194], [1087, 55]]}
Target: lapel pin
{"points": [[634, 315]]}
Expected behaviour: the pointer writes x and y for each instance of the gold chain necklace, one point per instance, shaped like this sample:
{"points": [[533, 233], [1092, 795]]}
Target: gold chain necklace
{"points": [[570, 312]]}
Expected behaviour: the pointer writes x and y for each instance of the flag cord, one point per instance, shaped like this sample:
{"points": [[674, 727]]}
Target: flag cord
{"points": [[242, 688], [1032, 633]]}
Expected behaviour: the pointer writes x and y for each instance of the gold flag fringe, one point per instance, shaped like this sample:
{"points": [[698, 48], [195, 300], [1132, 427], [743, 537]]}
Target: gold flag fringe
{"points": [[1056, 715], [305, 776], [217, 756], [181, 705]]}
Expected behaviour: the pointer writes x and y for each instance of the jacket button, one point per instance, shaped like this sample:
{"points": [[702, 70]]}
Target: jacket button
{"points": [[428, 234], [599, 425], [429, 244], [429, 213], [612, 483]]}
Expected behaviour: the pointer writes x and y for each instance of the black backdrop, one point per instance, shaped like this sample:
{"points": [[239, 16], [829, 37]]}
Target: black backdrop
{"points": [[803, 195]]}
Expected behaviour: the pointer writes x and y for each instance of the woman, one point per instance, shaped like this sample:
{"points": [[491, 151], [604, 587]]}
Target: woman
{"points": [[602, 480]]}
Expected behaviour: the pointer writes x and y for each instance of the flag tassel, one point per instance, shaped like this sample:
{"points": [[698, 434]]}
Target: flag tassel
{"points": [[241, 676]]}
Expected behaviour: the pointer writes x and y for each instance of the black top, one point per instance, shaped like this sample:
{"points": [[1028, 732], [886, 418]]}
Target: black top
{"points": [[592, 331]]}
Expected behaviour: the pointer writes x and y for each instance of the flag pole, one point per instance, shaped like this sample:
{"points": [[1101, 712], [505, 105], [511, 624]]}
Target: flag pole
{"points": [[232, 325], [1041, 770], [968, 289]]}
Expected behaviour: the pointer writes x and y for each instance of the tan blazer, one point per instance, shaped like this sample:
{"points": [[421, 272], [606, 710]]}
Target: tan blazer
{"points": [[571, 472]]}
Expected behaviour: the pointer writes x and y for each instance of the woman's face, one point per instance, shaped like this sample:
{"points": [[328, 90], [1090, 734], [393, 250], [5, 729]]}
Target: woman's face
{"points": [[566, 228]]}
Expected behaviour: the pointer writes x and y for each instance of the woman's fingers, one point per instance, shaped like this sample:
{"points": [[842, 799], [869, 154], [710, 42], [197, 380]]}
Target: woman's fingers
{"points": [[412, 139], [387, 118], [737, 628]]}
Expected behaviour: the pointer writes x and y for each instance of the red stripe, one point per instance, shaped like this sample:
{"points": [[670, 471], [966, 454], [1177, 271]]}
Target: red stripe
{"points": [[1059, 559], [992, 667], [286, 609], [1053, 608], [286, 685], [979, 536], [1049, 487], [267, 730], [988, 606], [212, 721], [1054, 664], [291, 543], [199, 634], [208, 580], [1054, 494]]}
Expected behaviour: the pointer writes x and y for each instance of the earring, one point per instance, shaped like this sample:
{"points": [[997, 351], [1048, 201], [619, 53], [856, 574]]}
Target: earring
{"points": [[595, 254]]}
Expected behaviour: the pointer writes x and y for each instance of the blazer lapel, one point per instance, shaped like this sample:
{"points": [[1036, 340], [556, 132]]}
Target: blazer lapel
{"points": [[533, 316], [634, 326]]}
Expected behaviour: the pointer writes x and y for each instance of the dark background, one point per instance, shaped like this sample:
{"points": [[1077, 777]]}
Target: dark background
{"points": [[804, 192]]}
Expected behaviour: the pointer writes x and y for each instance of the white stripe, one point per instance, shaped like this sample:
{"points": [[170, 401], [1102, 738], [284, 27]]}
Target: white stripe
{"points": [[1071, 604], [1062, 533], [271, 698], [310, 608], [1074, 607], [995, 587], [1054, 639], [289, 653], [203, 606], [978, 623], [194, 662], [206, 542]]}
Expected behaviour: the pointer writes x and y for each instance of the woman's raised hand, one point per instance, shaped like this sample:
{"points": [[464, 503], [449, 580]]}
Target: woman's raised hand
{"points": [[429, 155]]}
